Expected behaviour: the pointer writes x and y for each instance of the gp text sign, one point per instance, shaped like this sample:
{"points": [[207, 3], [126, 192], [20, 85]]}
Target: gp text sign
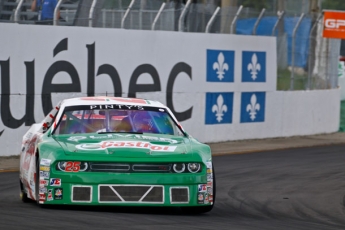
{"points": [[334, 24]]}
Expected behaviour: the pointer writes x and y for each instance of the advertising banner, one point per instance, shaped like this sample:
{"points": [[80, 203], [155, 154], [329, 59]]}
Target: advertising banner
{"points": [[219, 86], [334, 24]]}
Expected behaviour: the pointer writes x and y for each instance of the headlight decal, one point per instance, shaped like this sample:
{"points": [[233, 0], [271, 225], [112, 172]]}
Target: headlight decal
{"points": [[72, 166], [193, 167]]}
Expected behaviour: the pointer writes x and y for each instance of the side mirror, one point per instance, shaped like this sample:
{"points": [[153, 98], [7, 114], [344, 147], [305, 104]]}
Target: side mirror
{"points": [[45, 127]]}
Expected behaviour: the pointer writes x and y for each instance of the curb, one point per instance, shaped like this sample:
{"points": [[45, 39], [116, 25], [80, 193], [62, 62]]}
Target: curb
{"points": [[9, 170]]}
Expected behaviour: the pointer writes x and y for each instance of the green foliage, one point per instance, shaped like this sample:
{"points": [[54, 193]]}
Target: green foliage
{"points": [[333, 4], [284, 78]]}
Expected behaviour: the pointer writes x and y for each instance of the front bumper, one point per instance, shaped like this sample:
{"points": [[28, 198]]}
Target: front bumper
{"points": [[128, 189]]}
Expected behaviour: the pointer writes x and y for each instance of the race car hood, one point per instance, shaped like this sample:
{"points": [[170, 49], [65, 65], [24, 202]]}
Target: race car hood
{"points": [[124, 145]]}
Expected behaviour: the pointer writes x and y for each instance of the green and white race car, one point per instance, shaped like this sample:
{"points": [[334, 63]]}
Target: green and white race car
{"points": [[115, 151]]}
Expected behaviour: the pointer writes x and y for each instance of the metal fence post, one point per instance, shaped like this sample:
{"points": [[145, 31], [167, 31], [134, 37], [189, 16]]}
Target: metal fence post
{"points": [[126, 14], [310, 71], [157, 16], [293, 51], [210, 22], [280, 15], [232, 26], [57, 8], [92, 9], [182, 16], [16, 13], [258, 21]]}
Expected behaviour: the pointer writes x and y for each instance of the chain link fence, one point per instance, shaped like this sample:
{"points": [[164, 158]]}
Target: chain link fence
{"points": [[305, 60]]}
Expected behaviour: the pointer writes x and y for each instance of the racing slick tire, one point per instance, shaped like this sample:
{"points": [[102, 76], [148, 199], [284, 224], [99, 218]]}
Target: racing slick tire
{"points": [[23, 194], [203, 209]]}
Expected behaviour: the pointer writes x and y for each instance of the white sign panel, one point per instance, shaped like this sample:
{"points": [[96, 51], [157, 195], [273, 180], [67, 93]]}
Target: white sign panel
{"points": [[214, 83]]}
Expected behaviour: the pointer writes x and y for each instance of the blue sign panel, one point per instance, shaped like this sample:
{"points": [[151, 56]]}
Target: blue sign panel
{"points": [[253, 107], [219, 107], [220, 66], [253, 66]]}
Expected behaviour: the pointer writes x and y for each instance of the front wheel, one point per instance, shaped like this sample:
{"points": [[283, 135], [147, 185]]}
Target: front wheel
{"points": [[23, 194]]}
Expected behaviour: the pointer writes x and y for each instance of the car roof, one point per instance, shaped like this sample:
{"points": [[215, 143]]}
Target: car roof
{"points": [[105, 100]]}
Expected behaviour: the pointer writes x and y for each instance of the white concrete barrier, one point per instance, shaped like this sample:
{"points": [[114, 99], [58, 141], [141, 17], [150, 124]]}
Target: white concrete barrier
{"points": [[221, 87]]}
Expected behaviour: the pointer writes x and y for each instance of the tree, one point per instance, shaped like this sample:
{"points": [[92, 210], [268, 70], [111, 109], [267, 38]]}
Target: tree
{"points": [[333, 4]]}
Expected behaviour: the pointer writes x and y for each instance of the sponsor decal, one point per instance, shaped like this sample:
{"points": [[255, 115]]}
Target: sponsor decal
{"points": [[209, 165], [200, 198], [253, 107], [44, 175], [43, 190], [210, 184], [58, 194], [219, 108], [44, 168], [253, 66], [45, 162], [72, 166], [44, 183], [210, 190], [220, 65], [206, 201], [210, 198], [50, 195], [126, 144], [117, 106], [42, 197], [209, 177], [202, 188], [209, 170], [55, 182]]}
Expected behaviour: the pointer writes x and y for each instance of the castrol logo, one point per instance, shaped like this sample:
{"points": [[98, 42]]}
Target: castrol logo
{"points": [[126, 144]]}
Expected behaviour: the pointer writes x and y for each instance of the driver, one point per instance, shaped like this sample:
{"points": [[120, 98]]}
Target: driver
{"points": [[143, 122]]}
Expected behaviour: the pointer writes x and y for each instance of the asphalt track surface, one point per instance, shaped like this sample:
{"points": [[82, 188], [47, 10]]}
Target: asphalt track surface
{"points": [[287, 189]]}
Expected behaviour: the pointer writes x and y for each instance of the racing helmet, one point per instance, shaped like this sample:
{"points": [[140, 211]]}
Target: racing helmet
{"points": [[142, 122]]}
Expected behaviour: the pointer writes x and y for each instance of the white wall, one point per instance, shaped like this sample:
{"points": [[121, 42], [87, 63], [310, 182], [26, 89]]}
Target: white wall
{"points": [[274, 114], [288, 113]]}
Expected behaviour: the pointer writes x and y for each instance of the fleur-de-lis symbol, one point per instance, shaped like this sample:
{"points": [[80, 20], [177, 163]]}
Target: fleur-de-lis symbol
{"points": [[254, 67], [219, 108], [253, 107], [220, 66]]}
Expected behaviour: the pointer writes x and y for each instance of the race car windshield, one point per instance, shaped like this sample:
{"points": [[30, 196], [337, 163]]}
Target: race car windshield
{"points": [[116, 119]]}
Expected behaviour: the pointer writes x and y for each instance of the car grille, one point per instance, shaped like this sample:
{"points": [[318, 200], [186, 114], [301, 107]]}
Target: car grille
{"points": [[81, 193], [179, 195], [103, 167], [131, 193], [123, 167]]}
